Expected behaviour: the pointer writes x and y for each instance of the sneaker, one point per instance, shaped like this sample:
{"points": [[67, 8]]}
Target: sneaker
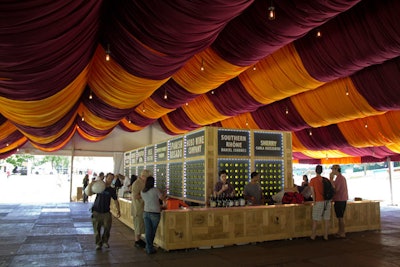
{"points": [[106, 245], [98, 247], [138, 244], [142, 243]]}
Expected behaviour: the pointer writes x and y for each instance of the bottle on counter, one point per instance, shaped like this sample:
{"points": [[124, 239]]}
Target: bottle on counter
{"points": [[213, 202]]}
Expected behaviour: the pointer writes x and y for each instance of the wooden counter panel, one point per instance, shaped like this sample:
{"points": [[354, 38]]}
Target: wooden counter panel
{"points": [[208, 227]]}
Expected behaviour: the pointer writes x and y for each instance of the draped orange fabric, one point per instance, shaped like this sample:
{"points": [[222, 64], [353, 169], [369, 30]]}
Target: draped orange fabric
{"points": [[117, 87], [48, 139], [278, 76], [13, 145], [45, 112], [331, 103], [377, 130], [202, 111], [55, 148], [242, 121], [206, 71], [6, 129], [171, 127], [152, 109], [131, 126], [95, 121]]}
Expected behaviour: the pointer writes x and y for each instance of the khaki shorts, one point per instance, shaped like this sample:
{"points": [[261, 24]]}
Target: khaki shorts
{"points": [[321, 210]]}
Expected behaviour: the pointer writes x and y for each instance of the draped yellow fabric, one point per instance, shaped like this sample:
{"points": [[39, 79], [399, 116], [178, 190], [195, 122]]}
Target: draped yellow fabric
{"points": [[131, 126], [55, 148], [297, 146], [242, 121], [14, 145], [45, 112], [116, 87], [95, 121], [89, 137], [377, 130], [206, 71], [340, 101], [151, 109], [167, 122], [49, 139], [6, 129], [324, 154], [278, 76], [202, 111], [394, 147]]}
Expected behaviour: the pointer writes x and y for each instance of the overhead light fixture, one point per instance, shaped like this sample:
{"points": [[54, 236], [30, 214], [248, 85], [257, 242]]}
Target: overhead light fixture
{"points": [[202, 65], [83, 117], [287, 110], [212, 92], [90, 95], [254, 67], [310, 132], [271, 12], [347, 91], [319, 34], [108, 52], [165, 94]]}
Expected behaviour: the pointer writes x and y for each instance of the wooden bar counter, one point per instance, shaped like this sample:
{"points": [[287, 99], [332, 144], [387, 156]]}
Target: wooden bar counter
{"points": [[214, 227]]}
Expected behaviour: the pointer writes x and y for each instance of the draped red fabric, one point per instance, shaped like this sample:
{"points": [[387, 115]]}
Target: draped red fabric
{"points": [[334, 56]]}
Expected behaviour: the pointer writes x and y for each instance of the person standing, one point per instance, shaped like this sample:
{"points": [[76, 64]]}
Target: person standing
{"points": [[101, 215], [222, 187], [138, 206], [253, 192], [85, 183], [152, 212], [321, 207], [340, 198]]}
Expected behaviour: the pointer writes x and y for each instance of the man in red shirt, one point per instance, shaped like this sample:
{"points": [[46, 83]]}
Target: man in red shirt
{"points": [[340, 197], [321, 208]]}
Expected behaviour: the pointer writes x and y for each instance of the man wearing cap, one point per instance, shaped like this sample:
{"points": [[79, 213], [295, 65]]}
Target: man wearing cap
{"points": [[340, 197]]}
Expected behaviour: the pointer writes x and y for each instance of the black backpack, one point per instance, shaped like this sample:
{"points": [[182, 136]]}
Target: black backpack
{"points": [[329, 190]]}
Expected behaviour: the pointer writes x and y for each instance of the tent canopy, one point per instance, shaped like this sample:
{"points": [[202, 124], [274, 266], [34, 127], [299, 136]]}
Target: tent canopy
{"points": [[83, 72]]}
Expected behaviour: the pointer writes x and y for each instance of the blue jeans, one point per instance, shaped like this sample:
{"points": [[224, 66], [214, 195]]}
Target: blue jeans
{"points": [[151, 220]]}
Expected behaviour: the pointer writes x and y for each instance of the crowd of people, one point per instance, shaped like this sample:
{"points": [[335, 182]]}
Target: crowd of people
{"points": [[146, 202], [146, 208]]}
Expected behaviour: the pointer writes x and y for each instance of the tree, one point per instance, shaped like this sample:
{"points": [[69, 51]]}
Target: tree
{"points": [[19, 160], [57, 162]]}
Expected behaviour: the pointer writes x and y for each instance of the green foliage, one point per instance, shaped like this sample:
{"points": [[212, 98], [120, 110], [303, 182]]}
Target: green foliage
{"points": [[19, 160]]}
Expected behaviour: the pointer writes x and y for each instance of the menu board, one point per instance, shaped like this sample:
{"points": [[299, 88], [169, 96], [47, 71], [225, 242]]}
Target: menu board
{"points": [[268, 144], [195, 144], [140, 156], [127, 158], [233, 142], [176, 149], [133, 157], [150, 154], [161, 152]]}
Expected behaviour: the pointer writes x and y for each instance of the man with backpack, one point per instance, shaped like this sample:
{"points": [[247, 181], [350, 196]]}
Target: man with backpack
{"points": [[321, 206]]}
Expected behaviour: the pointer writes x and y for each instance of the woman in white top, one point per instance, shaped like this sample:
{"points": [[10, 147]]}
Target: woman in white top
{"points": [[152, 212]]}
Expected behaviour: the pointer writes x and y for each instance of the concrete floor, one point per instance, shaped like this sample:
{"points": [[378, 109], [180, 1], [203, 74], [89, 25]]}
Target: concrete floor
{"points": [[61, 235]]}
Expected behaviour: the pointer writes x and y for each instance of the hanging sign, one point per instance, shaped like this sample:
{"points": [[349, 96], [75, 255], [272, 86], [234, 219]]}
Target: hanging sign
{"points": [[161, 152], [176, 148], [195, 144], [268, 144], [233, 143]]}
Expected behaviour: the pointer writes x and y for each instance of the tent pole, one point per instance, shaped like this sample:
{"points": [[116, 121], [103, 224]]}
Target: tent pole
{"points": [[390, 168], [71, 173]]}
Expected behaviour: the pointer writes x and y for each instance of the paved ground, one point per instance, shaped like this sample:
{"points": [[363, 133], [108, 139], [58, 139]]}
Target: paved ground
{"points": [[60, 234]]}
